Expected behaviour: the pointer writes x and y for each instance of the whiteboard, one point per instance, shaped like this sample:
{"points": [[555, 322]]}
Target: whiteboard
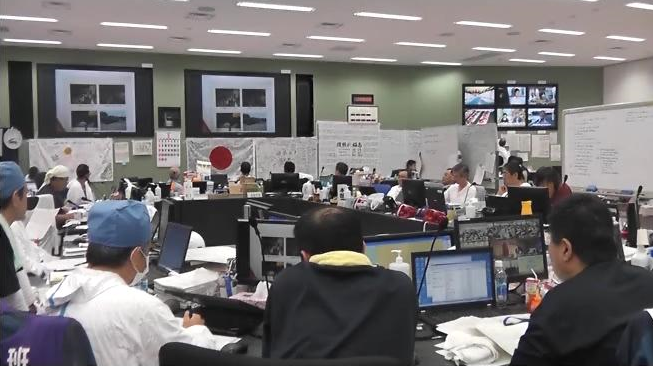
{"points": [[357, 145], [609, 146], [272, 153], [97, 153], [439, 149], [478, 146], [397, 147]]}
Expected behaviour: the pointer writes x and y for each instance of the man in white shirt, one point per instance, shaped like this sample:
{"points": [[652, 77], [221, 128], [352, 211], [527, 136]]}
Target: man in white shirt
{"points": [[395, 191], [125, 325], [461, 191], [503, 152], [79, 191]]}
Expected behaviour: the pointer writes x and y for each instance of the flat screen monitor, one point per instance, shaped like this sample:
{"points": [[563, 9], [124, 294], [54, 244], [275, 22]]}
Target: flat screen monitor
{"points": [[220, 180], [340, 179], [414, 192], [501, 206], [542, 118], [285, 182], [435, 198], [453, 278], [201, 185], [478, 117], [154, 224], [379, 248], [175, 246], [539, 197], [165, 216], [145, 182], [165, 190], [511, 117], [511, 95], [479, 95], [517, 241], [542, 95]]}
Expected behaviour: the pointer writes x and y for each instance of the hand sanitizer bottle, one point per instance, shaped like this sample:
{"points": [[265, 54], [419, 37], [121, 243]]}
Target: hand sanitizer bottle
{"points": [[399, 264]]}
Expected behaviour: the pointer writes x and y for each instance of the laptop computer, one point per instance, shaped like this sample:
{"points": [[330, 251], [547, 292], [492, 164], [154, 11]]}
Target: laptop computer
{"points": [[453, 279], [174, 248], [154, 225]]}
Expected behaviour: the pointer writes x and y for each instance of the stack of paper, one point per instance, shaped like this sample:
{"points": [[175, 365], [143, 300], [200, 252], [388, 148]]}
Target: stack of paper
{"points": [[188, 280], [220, 254]]}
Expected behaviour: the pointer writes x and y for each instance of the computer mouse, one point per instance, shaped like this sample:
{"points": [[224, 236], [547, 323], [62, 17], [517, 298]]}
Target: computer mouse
{"points": [[239, 347]]}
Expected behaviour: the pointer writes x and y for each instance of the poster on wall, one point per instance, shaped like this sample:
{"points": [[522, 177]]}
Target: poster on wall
{"points": [[357, 145], [225, 154], [273, 153], [142, 147], [97, 153], [168, 148]]}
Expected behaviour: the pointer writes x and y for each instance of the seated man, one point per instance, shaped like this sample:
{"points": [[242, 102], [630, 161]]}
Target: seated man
{"points": [[548, 177], [581, 320], [447, 178], [462, 190], [125, 325], [395, 191], [335, 303]]}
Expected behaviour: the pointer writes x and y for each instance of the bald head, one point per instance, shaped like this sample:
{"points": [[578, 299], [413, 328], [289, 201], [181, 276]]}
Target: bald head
{"points": [[174, 173]]}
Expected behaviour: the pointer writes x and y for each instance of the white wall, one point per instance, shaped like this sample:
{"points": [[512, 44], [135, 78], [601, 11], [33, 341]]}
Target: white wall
{"points": [[628, 82]]}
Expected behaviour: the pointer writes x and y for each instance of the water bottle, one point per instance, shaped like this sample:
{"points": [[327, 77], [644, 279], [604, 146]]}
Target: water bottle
{"points": [[500, 284]]}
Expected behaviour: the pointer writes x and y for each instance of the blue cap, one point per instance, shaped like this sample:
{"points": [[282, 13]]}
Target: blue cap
{"points": [[11, 179], [119, 224]]}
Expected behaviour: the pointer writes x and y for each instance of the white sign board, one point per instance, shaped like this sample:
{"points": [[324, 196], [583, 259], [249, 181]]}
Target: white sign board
{"points": [[439, 149], [97, 153], [357, 145], [273, 153], [397, 147]]}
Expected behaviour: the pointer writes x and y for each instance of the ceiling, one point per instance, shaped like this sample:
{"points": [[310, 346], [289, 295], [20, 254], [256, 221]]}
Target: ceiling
{"points": [[78, 27]]}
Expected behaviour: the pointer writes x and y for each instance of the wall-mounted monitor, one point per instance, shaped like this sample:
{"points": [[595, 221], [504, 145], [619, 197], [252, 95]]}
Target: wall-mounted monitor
{"points": [[78, 101], [511, 117], [479, 95], [237, 104], [475, 117]]}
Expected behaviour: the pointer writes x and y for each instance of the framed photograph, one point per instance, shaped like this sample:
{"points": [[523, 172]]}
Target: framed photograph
{"points": [[169, 117]]}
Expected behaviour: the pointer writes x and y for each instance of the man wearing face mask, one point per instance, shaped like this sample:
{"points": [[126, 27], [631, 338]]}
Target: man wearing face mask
{"points": [[125, 325]]}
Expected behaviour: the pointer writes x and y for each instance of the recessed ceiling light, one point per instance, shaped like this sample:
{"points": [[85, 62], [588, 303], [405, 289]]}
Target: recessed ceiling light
{"points": [[530, 61], [239, 33], [492, 49], [418, 44], [624, 38], [206, 50], [300, 55], [368, 14], [28, 19], [36, 41], [590, 1], [133, 25], [115, 45], [250, 4], [645, 6], [608, 58], [441, 63], [337, 39], [559, 54], [374, 59], [483, 24], [561, 31]]}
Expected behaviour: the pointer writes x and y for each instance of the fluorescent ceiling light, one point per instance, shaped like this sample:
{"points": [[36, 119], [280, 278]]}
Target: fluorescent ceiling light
{"points": [[418, 44], [608, 58], [483, 24], [624, 38], [36, 41], [28, 19], [239, 33], [441, 63], [206, 50], [561, 31], [250, 4], [527, 60], [337, 39], [492, 49], [386, 16], [559, 54], [133, 25], [645, 6], [374, 59], [114, 45], [300, 55]]}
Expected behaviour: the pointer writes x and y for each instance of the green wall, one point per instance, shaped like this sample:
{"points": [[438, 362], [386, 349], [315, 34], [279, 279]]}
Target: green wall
{"points": [[409, 97]]}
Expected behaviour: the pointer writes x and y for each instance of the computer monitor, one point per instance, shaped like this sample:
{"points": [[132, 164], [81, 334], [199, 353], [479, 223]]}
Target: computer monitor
{"points": [[165, 190], [379, 248], [163, 221], [201, 185], [174, 248], [338, 180], [501, 206], [220, 180], [453, 278], [154, 225], [517, 241], [539, 196], [435, 198], [285, 182], [144, 182], [414, 192]]}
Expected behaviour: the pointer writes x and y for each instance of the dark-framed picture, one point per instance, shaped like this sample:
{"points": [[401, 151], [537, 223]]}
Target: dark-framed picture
{"points": [[169, 117]]}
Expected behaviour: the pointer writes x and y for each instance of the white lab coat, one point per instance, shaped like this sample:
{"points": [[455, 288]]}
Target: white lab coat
{"points": [[394, 192], [504, 153], [76, 193], [24, 297], [125, 325], [455, 197]]}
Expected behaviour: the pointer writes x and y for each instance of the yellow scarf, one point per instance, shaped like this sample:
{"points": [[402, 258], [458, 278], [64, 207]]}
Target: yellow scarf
{"points": [[341, 258]]}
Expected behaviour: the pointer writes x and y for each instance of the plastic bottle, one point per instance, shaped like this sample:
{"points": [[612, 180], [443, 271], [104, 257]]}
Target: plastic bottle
{"points": [[149, 197], [641, 258], [399, 264], [157, 193], [500, 284], [188, 189]]}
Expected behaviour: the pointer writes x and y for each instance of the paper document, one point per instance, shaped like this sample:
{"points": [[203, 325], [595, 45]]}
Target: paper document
{"points": [[506, 337], [221, 341], [121, 152], [188, 280], [541, 146], [556, 154], [554, 137], [218, 254], [524, 142], [39, 223], [479, 173], [463, 324], [64, 264], [523, 155]]}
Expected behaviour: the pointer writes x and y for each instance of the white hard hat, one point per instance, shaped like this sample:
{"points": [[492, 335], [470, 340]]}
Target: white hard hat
{"points": [[196, 241]]}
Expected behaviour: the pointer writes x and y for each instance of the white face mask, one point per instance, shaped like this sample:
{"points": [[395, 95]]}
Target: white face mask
{"points": [[140, 275]]}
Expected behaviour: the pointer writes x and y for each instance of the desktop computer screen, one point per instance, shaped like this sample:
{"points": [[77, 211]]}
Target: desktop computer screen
{"points": [[163, 221], [454, 277], [517, 241], [414, 192], [379, 248], [285, 182], [175, 245]]}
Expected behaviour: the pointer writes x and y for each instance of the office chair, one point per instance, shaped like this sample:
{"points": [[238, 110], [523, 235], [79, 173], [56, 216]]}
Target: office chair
{"points": [[182, 354], [636, 345]]}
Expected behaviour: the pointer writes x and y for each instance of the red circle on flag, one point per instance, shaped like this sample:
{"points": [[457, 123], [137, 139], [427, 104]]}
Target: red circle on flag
{"points": [[221, 158]]}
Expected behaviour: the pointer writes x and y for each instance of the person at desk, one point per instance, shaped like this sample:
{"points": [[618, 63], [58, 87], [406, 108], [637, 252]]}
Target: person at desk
{"points": [[30, 179], [513, 176], [341, 169], [125, 325], [79, 190], [15, 288], [173, 179], [550, 178], [462, 190], [245, 170], [447, 178], [411, 168], [395, 191], [335, 303], [56, 180], [581, 320], [289, 168]]}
